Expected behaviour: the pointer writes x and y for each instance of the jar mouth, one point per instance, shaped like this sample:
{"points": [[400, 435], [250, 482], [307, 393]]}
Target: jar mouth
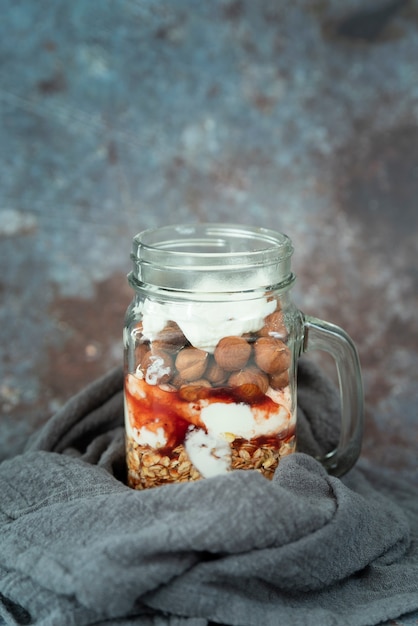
{"points": [[211, 256]]}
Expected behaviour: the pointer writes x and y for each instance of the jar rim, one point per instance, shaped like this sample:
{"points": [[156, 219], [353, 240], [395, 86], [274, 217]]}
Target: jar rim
{"points": [[177, 240], [179, 256]]}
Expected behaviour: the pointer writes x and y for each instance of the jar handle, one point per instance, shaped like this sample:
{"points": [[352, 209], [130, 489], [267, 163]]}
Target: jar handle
{"points": [[321, 335]]}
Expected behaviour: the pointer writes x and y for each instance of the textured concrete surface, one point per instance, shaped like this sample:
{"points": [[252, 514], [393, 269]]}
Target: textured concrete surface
{"points": [[120, 116]]}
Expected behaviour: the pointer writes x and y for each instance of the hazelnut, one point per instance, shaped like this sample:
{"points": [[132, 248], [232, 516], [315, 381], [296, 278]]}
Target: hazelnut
{"points": [[279, 380], [250, 384], [274, 326], [177, 381], [271, 355], [214, 373], [191, 363], [157, 366], [170, 338], [232, 353], [195, 390]]}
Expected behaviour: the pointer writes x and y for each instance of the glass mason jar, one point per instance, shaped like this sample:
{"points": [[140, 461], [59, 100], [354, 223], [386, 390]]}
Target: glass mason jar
{"points": [[211, 344]]}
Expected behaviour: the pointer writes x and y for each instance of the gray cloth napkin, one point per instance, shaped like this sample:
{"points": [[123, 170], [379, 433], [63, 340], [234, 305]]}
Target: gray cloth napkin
{"points": [[78, 547]]}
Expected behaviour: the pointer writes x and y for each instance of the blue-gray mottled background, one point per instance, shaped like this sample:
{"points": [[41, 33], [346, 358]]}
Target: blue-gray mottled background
{"points": [[117, 116]]}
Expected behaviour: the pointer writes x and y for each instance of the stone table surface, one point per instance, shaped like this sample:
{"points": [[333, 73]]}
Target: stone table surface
{"points": [[120, 116]]}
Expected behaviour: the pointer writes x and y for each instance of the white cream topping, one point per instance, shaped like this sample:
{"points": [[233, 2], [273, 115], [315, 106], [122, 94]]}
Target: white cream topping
{"points": [[205, 323], [156, 370]]}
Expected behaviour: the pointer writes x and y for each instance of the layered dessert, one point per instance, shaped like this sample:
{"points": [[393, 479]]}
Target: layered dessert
{"points": [[207, 390]]}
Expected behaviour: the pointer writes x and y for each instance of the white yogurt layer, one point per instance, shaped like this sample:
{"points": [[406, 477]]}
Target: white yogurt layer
{"points": [[240, 420], [213, 426], [147, 437], [142, 436], [209, 454], [205, 323]]}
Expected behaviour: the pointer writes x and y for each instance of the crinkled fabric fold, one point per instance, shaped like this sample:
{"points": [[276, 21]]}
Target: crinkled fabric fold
{"points": [[78, 547]]}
